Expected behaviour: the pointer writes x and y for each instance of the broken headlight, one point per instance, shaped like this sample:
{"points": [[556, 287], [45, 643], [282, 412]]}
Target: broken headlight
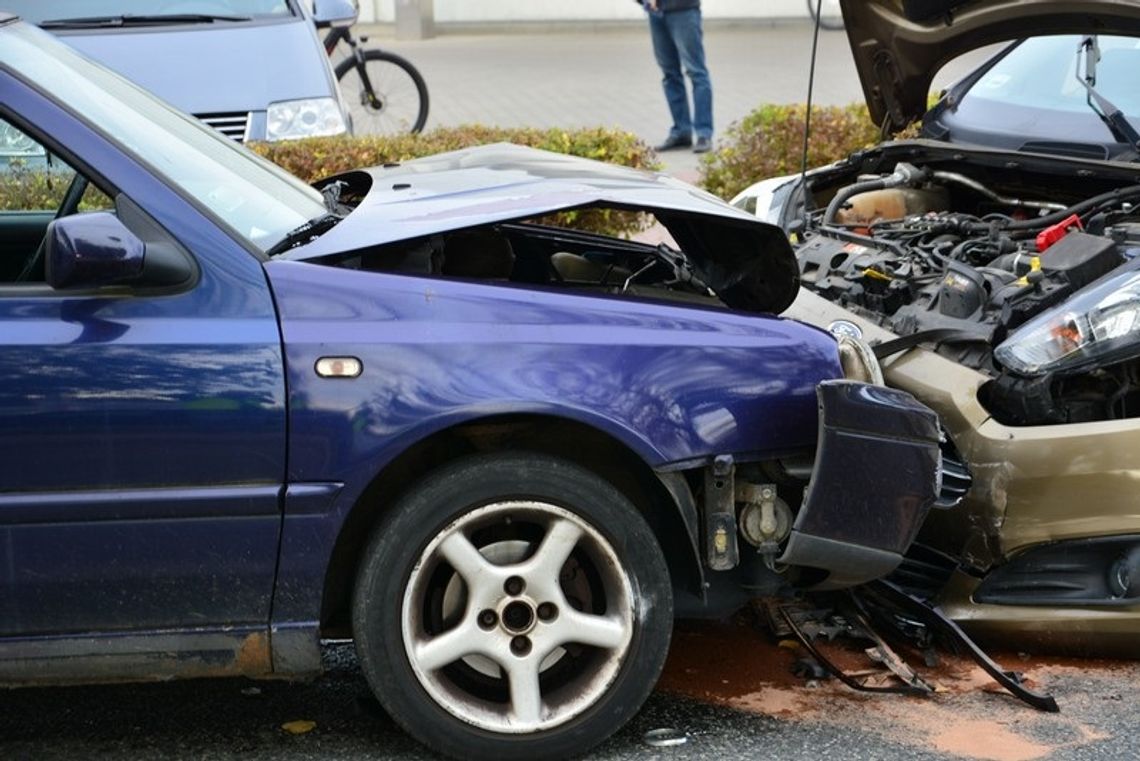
{"points": [[1100, 324]]}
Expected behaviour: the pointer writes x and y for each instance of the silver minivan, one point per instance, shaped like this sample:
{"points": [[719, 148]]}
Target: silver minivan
{"points": [[252, 69]]}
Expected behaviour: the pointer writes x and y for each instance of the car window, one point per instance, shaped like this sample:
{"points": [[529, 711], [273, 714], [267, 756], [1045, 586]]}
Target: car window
{"points": [[33, 179], [35, 187], [1041, 73], [38, 11], [258, 201]]}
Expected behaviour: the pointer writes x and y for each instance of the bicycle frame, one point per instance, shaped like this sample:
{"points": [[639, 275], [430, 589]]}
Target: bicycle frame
{"points": [[344, 33], [359, 62], [334, 36]]}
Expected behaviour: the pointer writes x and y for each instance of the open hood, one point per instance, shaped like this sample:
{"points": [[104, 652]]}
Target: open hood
{"points": [[899, 45], [748, 263]]}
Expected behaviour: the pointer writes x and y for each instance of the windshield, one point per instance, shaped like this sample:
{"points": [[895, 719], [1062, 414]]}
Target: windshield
{"points": [[256, 199], [38, 11], [1040, 73]]}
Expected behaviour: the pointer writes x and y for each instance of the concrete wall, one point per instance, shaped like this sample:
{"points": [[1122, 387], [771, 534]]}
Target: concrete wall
{"points": [[501, 11]]}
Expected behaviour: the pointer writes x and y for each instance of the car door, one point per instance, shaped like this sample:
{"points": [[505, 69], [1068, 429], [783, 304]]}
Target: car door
{"points": [[142, 432]]}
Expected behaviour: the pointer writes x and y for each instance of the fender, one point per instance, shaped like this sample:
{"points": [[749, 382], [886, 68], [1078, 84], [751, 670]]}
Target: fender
{"points": [[676, 385]]}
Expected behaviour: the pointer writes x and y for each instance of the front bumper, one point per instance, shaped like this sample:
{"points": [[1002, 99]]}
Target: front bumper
{"points": [[877, 473]]}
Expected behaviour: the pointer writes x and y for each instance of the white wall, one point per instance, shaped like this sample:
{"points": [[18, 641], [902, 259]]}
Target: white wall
{"points": [[447, 11]]}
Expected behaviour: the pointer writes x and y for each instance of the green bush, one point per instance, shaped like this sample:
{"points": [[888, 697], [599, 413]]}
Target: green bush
{"points": [[769, 142], [23, 187], [315, 158]]}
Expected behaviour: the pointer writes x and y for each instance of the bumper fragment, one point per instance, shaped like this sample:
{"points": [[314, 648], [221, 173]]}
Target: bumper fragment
{"points": [[877, 472]]}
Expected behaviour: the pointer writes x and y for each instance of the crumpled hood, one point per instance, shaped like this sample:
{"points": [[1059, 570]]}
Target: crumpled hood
{"points": [[748, 263], [899, 45], [206, 68]]}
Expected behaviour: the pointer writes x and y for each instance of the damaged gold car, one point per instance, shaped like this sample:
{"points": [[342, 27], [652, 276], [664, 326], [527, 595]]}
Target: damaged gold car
{"points": [[1000, 286]]}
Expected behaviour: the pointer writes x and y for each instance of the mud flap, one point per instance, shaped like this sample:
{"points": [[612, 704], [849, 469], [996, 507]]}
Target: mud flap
{"points": [[877, 472]]}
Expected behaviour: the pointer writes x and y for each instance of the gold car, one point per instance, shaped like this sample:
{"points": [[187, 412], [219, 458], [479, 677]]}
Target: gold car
{"points": [[1001, 286]]}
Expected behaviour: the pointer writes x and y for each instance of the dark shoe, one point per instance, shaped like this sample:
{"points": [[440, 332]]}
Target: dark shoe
{"points": [[703, 145], [674, 142]]}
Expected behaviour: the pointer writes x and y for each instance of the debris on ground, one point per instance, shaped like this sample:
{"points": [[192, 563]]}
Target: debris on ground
{"points": [[743, 664], [665, 737]]}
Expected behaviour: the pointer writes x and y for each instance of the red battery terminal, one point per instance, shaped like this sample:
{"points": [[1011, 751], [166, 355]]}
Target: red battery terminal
{"points": [[1054, 233]]}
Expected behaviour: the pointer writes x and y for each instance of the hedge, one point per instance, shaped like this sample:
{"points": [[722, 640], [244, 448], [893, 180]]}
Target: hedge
{"points": [[315, 158], [28, 188], [24, 187], [769, 142], [766, 143]]}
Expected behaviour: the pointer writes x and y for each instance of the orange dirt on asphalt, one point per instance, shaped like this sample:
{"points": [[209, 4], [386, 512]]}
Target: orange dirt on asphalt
{"points": [[735, 664]]}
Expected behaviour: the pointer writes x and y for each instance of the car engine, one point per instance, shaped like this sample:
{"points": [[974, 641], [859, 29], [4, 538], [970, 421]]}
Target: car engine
{"points": [[964, 256]]}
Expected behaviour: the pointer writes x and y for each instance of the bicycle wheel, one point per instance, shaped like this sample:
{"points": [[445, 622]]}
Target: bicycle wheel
{"points": [[831, 17], [385, 95]]}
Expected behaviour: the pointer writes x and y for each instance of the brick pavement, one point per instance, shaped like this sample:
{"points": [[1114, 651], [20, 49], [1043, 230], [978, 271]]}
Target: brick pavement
{"points": [[608, 76]]}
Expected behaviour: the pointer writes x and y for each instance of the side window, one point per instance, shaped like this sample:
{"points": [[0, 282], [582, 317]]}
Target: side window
{"points": [[35, 187]]}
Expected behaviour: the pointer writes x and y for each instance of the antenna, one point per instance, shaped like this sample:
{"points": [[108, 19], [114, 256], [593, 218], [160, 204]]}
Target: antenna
{"points": [[811, 87]]}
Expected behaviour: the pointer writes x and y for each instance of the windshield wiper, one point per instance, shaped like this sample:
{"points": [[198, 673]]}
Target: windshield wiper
{"points": [[1108, 112], [301, 235], [99, 22], [331, 195]]}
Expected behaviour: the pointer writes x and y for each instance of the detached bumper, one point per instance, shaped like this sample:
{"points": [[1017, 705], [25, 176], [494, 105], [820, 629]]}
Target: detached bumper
{"points": [[877, 473]]}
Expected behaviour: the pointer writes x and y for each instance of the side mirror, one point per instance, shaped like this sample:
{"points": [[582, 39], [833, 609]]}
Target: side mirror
{"points": [[90, 250], [334, 13]]}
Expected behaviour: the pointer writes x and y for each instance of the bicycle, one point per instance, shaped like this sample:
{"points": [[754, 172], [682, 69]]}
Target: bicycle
{"points": [[385, 93], [830, 16]]}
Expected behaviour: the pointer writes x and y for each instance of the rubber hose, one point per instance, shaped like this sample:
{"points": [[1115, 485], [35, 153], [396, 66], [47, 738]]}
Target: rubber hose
{"points": [[847, 192]]}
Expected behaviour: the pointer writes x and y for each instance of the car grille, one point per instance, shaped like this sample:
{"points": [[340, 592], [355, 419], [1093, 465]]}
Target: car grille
{"points": [[956, 478], [232, 125], [923, 572]]}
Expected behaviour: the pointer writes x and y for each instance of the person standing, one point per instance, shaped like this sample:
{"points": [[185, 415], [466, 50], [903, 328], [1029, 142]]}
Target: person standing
{"points": [[675, 27]]}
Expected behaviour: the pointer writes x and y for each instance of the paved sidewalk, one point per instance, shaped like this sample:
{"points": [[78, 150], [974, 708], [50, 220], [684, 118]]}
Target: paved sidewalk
{"points": [[609, 77]]}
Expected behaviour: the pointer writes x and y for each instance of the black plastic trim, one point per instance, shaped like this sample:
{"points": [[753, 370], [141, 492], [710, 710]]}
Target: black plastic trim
{"points": [[1066, 574], [877, 473]]}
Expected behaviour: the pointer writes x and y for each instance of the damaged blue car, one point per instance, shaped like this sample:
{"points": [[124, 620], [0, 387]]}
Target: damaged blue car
{"points": [[241, 414]]}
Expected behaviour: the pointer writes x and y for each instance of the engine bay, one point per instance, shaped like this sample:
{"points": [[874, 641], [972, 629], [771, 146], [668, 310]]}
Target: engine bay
{"points": [[971, 255]]}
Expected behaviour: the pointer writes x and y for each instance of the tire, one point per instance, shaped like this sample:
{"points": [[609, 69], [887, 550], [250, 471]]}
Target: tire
{"points": [[831, 18], [395, 100], [563, 592]]}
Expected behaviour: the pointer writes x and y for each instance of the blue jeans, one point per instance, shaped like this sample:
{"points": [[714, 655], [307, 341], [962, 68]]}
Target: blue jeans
{"points": [[677, 41]]}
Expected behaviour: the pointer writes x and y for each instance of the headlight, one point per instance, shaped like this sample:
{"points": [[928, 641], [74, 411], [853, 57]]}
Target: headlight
{"points": [[311, 117], [1100, 323], [13, 142], [766, 199]]}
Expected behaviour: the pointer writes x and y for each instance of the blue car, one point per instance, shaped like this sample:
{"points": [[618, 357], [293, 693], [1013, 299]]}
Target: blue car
{"points": [[251, 69], [240, 414]]}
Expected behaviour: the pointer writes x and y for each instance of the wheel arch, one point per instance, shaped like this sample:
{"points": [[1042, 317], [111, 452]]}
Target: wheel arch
{"points": [[663, 499]]}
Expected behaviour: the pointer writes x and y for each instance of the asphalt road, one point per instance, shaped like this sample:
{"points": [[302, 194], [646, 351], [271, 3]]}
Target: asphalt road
{"points": [[711, 691]]}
